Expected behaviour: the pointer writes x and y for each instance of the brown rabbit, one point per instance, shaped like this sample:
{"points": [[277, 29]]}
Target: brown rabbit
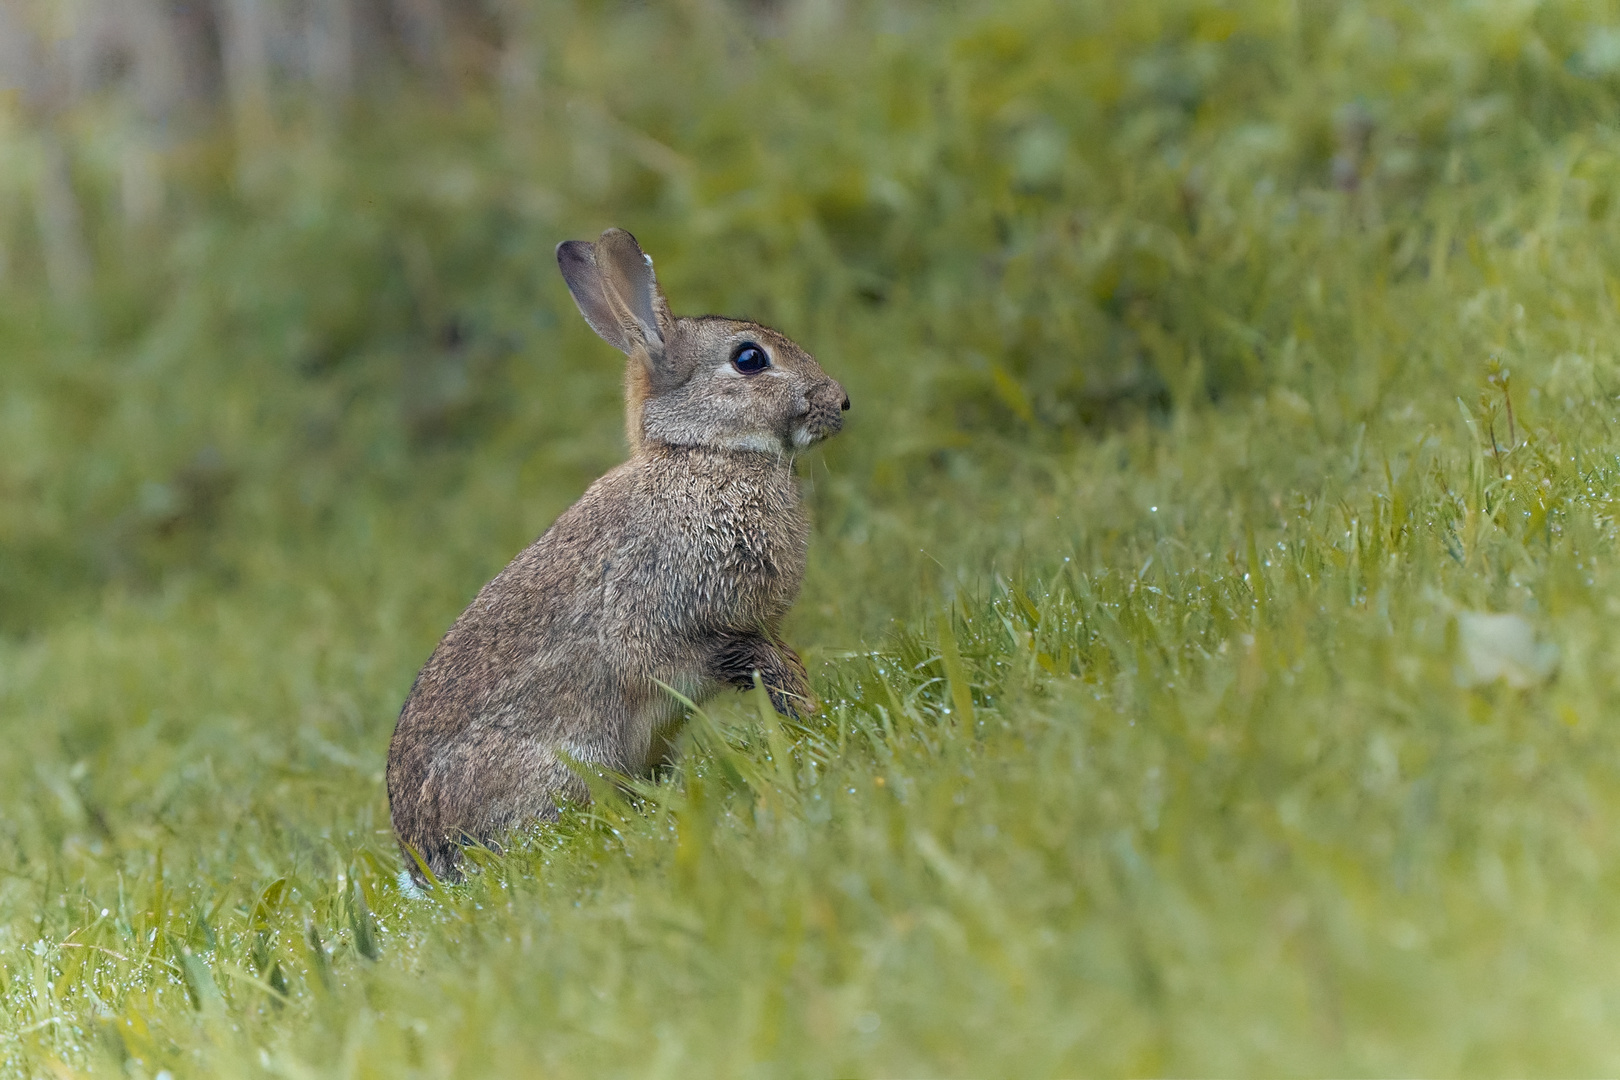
{"points": [[676, 567]]}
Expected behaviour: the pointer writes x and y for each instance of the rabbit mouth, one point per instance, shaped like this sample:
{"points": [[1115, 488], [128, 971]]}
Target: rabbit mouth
{"points": [[815, 429], [816, 424]]}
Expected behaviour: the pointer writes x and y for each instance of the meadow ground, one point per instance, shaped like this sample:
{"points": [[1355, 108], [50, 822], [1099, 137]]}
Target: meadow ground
{"points": [[1213, 596]]}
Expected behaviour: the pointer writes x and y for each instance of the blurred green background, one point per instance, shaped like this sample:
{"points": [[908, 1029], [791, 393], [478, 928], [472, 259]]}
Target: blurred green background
{"points": [[1212, 592]]}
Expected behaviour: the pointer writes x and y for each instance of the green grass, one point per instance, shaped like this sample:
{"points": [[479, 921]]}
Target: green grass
{"points": [[1162, 730]]}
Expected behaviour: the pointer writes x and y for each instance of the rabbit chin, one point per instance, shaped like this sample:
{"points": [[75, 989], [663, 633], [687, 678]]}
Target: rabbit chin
{"points": [[759, 441], [802, 437]]}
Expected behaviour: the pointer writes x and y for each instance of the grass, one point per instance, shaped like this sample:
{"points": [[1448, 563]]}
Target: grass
{"points": [[1218, 372]]}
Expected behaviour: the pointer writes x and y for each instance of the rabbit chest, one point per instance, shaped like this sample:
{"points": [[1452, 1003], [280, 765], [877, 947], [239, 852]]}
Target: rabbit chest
{"points": [[721, 543]]}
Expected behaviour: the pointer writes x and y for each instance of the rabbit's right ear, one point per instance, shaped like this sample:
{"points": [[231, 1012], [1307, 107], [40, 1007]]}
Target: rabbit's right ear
{"points": [[612, 282], [577, 261]]}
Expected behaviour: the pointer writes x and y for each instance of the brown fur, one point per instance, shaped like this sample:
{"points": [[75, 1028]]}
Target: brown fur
{"points": [[677, 567]]}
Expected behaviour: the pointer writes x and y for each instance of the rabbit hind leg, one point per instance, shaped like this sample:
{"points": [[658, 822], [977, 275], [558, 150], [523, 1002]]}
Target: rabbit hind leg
{"points": [[483, 789]]}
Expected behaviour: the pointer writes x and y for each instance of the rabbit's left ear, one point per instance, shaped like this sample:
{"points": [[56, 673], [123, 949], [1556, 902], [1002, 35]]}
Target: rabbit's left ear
{"points": [[613, 283], [628, 271]]}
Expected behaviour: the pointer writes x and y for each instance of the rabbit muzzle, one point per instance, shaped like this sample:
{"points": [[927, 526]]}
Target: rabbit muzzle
{"points": [[823, 416]]}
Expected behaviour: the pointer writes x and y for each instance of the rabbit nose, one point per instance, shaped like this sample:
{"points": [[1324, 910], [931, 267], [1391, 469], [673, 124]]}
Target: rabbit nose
{"points": [[833, 391]]}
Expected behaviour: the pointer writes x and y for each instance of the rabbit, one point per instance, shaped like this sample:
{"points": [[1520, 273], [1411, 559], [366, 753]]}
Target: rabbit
{"points": [[676, 567]]}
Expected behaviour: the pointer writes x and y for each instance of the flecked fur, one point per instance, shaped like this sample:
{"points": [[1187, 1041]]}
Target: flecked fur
{"points": [[677, 567]]}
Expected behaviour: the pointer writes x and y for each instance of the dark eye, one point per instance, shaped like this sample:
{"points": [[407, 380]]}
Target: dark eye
{"points": [[750, 358]]}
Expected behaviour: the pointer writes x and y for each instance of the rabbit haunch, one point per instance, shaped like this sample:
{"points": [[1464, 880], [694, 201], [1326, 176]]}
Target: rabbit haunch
{"points": [[677, 567]]}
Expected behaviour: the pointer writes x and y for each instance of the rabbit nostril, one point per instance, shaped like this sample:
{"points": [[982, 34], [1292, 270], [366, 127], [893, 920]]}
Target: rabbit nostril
{"points": [[845, 405]]}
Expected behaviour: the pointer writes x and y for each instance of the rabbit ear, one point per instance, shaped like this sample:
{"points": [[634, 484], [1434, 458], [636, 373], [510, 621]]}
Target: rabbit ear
{"points": [[577, 261], [629, 273], [613, 283]]}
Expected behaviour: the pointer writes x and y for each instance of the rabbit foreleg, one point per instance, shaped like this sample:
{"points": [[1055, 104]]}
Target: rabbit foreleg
{"points": [[738, 658]]}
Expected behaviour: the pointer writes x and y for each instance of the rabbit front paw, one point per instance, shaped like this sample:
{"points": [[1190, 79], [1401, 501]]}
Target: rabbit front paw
{"points": [[737, 658]]}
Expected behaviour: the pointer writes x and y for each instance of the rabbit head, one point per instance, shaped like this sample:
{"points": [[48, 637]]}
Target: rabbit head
{"points": [[709, 382]]}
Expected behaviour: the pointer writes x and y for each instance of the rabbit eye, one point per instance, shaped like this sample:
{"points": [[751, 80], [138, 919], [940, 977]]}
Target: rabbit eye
{"points": [[750, 358]]}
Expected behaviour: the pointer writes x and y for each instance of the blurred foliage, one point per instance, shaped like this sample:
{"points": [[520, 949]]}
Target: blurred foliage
{"points": [[1219, 372]]}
